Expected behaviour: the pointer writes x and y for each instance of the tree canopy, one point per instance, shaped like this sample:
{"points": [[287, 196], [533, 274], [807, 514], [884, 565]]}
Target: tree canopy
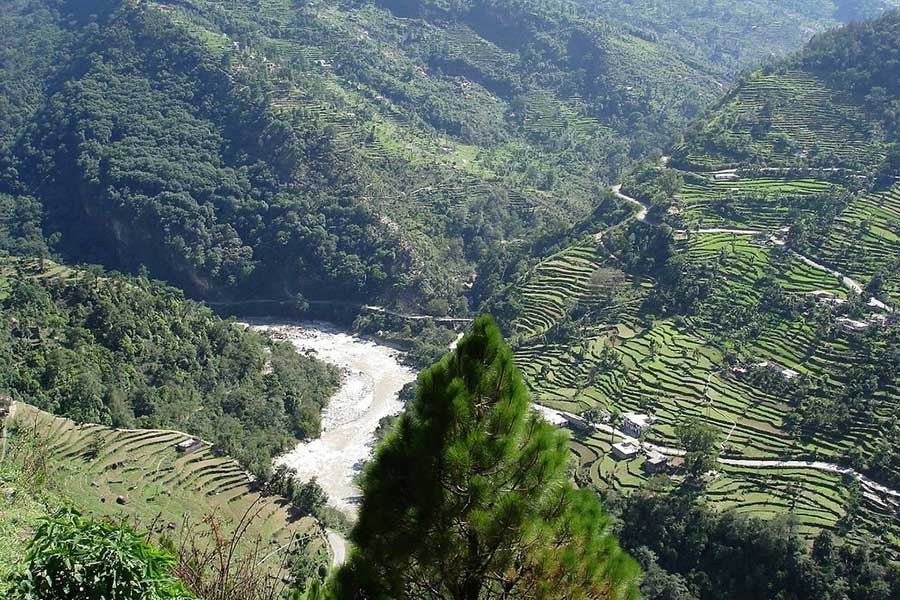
{"points": [[468, 498]]}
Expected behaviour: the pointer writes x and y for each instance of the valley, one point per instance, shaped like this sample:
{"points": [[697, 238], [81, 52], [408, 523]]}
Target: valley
{"points": [[249, 226]]}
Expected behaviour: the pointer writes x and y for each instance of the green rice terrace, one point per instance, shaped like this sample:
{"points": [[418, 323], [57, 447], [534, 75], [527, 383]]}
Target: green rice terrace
{"points": [[140, 476], [774, 119], [864, 239], [765, 203], [788, 241], [717, 364]]}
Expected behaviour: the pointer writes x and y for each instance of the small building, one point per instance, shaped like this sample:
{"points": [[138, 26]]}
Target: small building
{"points": [[777, 368], [878, 320], [636, 424], [625, 450], [851, 325], [189, 445], [826, 297], [577, 423], [789, 373], [656, 463], [876, 304], [5, 405], [728, 176], [823, 295]]}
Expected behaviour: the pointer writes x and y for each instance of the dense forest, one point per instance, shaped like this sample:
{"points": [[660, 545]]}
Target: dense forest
{"points": [[130, 352], [151, 154], [689, 550], [283, 152]]}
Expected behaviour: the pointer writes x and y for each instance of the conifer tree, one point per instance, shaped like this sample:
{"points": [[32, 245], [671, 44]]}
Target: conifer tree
{"points": [[468, 498]]}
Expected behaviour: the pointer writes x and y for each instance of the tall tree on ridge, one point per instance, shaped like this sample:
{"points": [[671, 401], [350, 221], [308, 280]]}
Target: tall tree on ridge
{"points": [[468, 499]]}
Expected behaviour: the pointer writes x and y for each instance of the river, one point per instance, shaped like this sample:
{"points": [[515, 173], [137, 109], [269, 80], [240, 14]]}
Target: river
{"points": [[373, 376]]}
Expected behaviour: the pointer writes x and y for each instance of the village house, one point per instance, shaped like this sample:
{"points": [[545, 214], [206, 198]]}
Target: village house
{"points": [[830, 298], [878, 320], [851, 325], [655, 463], [577, 423], [625, 450], [189, 445], [775, 367], [636, 424]]}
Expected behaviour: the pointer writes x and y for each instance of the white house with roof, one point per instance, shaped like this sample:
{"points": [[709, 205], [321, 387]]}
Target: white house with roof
{"points": [[636, 424], [625, 450]]}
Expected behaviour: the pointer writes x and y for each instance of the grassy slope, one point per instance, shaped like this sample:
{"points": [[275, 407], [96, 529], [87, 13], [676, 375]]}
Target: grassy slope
{"points": [[91, 466]]}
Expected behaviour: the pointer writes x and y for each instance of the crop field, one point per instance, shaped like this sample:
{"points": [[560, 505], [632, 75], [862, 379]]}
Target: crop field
{"points": [[672, 368], [12, 267], [815, 499], [562, 281], [773, 118], [766, 203], [865, 239], [745, 260], [138, 475]]}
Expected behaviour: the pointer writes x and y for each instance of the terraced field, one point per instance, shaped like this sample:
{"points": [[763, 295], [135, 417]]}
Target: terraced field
{"points": [[562, 281], [745, 260], [776, 118], [815, 499], [671, 368], [766, 203], [94, 466], [865, 239]]}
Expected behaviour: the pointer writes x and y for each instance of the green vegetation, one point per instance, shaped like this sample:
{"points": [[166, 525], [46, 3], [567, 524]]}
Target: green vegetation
{"points": [[784, 118], [468, 497], [369, 151], [861, 242], [734, 320], [833, 105], [185, 500], [73, 558], [444, 157], [108, 349], [734, 35], [691, 551]]}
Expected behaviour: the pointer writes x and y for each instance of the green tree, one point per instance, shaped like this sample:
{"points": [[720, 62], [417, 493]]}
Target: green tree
{"points": [[468, 498], [702, 444]]}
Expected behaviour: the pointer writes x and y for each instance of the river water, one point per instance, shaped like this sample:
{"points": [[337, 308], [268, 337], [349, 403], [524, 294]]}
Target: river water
{"points": [[373, 376]]}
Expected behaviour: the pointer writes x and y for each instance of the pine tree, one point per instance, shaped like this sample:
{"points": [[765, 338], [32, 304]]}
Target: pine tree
{"points": [[468, 498]]}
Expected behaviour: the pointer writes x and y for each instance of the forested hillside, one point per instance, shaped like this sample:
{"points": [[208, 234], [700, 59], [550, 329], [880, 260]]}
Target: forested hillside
{"points": [[412, 153], [835, 105], [128, 352], [735, 35]]}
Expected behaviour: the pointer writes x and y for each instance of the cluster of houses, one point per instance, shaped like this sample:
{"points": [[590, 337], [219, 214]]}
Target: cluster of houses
{"points": [[767, 364], [654, 463], [636, 425], [878, 314]]}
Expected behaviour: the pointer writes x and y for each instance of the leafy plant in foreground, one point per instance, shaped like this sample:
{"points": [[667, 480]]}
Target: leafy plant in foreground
{"points": [[74, 557]]}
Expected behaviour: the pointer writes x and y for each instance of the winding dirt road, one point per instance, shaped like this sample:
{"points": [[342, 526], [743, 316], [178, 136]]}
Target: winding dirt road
{"points": [[642, 208]]}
